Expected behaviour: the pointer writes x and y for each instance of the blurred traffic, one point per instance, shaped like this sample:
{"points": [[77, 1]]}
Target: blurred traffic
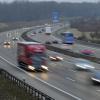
{"points": [[83, 64]]}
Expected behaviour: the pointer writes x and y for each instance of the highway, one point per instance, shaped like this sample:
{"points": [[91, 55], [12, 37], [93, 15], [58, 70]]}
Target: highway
{"points": [[41, 37], [8, 62], [59, 82]]}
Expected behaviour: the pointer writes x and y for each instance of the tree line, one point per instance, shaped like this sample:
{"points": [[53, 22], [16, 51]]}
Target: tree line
{"points": [[30, 11]]}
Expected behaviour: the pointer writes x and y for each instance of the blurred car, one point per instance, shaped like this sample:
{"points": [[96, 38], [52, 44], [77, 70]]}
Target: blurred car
{"points": [[62, 34], [47, 33], [40, 32], [43, 30], [15, 39], [47, 42], [6, 43], [55, 42], [83, 64], [55, 58], [32, 34], [95, 76], [87, 52]]}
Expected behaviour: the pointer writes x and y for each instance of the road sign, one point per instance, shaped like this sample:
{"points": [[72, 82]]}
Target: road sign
{"points": [[55, 16]]}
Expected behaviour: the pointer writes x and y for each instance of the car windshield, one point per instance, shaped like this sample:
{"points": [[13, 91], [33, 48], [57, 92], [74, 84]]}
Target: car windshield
{"points": [[70, 35], [38, 56], [97, 72]]}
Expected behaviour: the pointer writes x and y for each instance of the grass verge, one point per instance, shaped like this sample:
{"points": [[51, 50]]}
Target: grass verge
{"points": [[10, 91]]}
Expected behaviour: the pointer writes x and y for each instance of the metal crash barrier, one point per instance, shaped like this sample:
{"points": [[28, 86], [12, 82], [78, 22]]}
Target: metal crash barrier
{"points": [[73, 54], [36, 94]]}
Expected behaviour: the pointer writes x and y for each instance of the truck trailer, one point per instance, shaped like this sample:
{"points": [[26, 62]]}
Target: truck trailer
{"points": [[32, 56], [48, 30], [68, 38]]}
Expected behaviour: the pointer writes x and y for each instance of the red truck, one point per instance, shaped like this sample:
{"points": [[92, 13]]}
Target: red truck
{"points": [[32, 56]]}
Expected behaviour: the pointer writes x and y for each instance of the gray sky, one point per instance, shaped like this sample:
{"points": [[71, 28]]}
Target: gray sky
{"points": [[55, 0]]}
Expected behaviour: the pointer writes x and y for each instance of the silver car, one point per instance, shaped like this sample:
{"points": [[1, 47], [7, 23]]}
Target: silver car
{"points": [[95, 76], [83, 64]]}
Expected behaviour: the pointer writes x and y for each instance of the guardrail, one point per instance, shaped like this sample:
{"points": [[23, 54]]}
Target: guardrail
{"points": [[73, 54], [36, 94]]}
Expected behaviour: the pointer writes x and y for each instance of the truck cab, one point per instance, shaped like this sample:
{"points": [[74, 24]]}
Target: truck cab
{"points": [[32, 56]]}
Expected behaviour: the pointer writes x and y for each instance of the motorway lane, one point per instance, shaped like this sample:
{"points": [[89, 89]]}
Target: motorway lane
{"points": [[77, 48], [82, 85], [34, 81], [11, 57], [82, 47], [41, 37], [80, 76], [60, 75], [78, 84]]}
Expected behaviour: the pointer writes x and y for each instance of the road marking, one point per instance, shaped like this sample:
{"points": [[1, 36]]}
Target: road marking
{"points": [[53, 64], [98, 90], [67, 93], [70, 79], [73, 70]]}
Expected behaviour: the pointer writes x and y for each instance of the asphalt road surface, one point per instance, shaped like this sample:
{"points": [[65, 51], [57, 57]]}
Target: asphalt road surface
{"points": [[59, 82], [41, 37]]}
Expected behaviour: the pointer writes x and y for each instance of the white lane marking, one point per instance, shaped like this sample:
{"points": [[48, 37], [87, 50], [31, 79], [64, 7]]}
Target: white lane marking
{"points": [[98, 90], [8, 61], [73, 96], [73, 71], [70, 79], [53, 64], [70, 62]]}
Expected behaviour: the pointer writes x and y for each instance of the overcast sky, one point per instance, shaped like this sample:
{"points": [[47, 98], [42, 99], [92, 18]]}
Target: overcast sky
{"points": [[54, 0]]}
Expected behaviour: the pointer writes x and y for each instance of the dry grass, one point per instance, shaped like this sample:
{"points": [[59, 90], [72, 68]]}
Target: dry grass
{"points": [[9, 91], [3, 25], [14, 25], [74, 31]]}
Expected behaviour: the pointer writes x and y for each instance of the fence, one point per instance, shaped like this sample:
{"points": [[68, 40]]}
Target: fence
{"points": [[36, 94]]}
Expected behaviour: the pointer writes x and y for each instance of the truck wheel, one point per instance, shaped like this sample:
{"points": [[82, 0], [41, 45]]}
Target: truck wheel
{"points": [[19, 64]]}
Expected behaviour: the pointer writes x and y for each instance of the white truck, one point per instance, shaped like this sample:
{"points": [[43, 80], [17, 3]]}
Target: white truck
{"points": [[48, 30]]}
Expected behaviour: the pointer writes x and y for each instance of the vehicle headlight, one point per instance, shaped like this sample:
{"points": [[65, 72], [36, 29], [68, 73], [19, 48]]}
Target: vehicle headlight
{"points": [[9, 46], [80, 66], [60, 58], [44, 67], [95, 79], [31, 67], [52, 57], [90, 66]]}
